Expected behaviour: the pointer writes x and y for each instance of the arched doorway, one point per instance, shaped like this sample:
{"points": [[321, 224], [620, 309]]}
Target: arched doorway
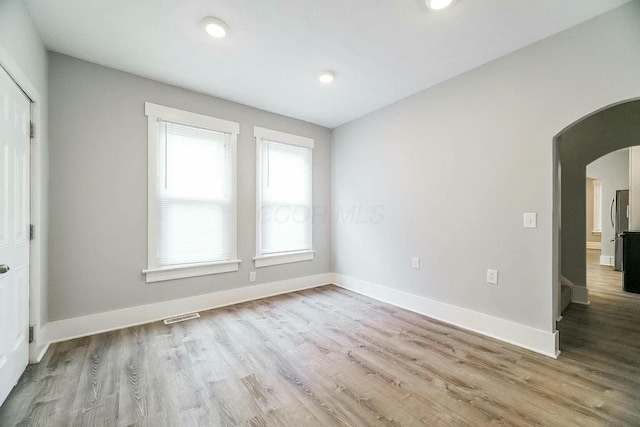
{"points": [[607, 130]]}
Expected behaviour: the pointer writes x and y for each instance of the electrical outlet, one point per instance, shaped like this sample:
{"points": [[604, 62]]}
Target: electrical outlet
{"points": [[252, 276], [492, 276], [415, 262]]}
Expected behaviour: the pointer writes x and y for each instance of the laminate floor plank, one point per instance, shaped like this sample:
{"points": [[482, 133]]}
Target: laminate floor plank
{"points": [[328, 357]]}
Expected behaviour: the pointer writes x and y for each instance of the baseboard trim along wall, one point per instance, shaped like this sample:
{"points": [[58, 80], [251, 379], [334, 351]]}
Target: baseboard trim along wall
{"points": [[68, 329], [536, 340], [594, 245], [607, 260], [37, 352], [580, 295]]}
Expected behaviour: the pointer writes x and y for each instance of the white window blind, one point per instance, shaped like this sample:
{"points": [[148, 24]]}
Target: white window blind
{"points": [[597, 206], [286, 198], [194, 195]]}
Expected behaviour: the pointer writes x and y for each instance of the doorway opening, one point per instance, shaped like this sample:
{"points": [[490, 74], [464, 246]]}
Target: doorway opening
{"points": [[608, 212], [581, 153]]}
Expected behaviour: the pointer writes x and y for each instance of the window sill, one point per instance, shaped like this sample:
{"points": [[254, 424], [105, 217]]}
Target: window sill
{"points": [[190, 270], [597, 232], [286, 258]]}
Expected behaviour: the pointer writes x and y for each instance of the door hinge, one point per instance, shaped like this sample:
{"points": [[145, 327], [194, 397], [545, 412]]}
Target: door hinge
{"points": [[32, 233], [30, 333], [32, 130]]}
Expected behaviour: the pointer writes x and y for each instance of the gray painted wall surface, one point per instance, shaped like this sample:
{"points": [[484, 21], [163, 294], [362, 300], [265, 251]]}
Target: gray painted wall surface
{"points": [[608, 130], [98, 238], [613, 171], [19, 40], [456, 166]]}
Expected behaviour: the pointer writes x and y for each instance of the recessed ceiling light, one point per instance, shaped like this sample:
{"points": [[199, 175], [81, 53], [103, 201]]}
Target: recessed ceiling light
{"points": [[438, 4], [215, 27], [326, 76]]}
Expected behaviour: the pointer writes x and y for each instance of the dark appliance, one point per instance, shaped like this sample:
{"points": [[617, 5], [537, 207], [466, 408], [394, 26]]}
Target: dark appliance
{"points": [[619, 214], [631, 261]]}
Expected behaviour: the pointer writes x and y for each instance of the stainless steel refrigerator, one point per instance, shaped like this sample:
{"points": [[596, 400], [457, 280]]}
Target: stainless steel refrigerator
{"points": [[619, 214]]}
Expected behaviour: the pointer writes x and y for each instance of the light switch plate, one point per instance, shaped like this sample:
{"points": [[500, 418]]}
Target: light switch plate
{"points": [[530, 220], [415, 262]]}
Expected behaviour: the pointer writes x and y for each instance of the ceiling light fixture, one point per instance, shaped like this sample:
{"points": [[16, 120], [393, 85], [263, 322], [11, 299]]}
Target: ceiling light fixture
{"points": [[215, 27], [438, 4], [326, 76]]}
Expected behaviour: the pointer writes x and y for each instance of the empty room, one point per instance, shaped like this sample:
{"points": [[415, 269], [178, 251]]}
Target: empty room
{"points": [[319, 212]]}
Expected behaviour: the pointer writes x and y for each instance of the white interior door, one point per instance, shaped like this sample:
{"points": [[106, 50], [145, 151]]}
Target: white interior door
{"points": [[14, 233]]}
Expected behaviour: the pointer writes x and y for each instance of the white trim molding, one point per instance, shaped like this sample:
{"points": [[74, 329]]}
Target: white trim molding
{"points": [[263, 137], [567, 282], [580, 295], [68, 329], [190, 270], [539, 341], [285, 138], [286, 258], [154, 271], [594, 245], [607, 260], [191, 119]]}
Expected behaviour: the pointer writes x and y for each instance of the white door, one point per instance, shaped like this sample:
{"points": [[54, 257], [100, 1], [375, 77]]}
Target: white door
{"points": [[14, 233]]}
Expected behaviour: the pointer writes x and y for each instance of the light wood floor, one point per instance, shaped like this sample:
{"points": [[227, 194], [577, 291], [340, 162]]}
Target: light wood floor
{"points": [[331, 357]]}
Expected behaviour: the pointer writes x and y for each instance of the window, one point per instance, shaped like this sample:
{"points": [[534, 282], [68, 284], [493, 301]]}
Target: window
{"points": [[192, 194], [284, 198], [597, 206]]}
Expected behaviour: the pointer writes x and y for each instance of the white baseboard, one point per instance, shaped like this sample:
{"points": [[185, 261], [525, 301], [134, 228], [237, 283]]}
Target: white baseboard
{"points": [[580, 295], [594, 245], [607, 260], [536, 340], [39, 352], [40, 345], [67, 329]]}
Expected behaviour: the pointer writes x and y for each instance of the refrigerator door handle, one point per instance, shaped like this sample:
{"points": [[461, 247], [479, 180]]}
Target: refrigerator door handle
{"points": [[613, 201]]}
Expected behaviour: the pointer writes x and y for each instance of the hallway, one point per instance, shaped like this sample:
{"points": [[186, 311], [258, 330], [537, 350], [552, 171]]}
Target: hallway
{"points": [[604, 280], [605, 335]]}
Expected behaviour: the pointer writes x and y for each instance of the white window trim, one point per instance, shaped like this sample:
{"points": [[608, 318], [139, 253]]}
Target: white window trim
{"points": [[283, 258], [153, 272], [260, 135], [597, 186]]}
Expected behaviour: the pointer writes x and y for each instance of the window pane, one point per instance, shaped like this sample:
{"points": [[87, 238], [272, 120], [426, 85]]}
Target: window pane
{"points": [[194, 195], [286, 198], [195, 165], [192, 232]]}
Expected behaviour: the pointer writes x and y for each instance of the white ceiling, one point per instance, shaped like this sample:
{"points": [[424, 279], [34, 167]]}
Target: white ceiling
{"points": [[381, 50]]}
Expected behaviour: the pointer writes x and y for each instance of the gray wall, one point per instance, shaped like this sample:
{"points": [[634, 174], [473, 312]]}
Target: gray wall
{"points": [[20, 42], [456, 166], [98, 237], [613, 171]]}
